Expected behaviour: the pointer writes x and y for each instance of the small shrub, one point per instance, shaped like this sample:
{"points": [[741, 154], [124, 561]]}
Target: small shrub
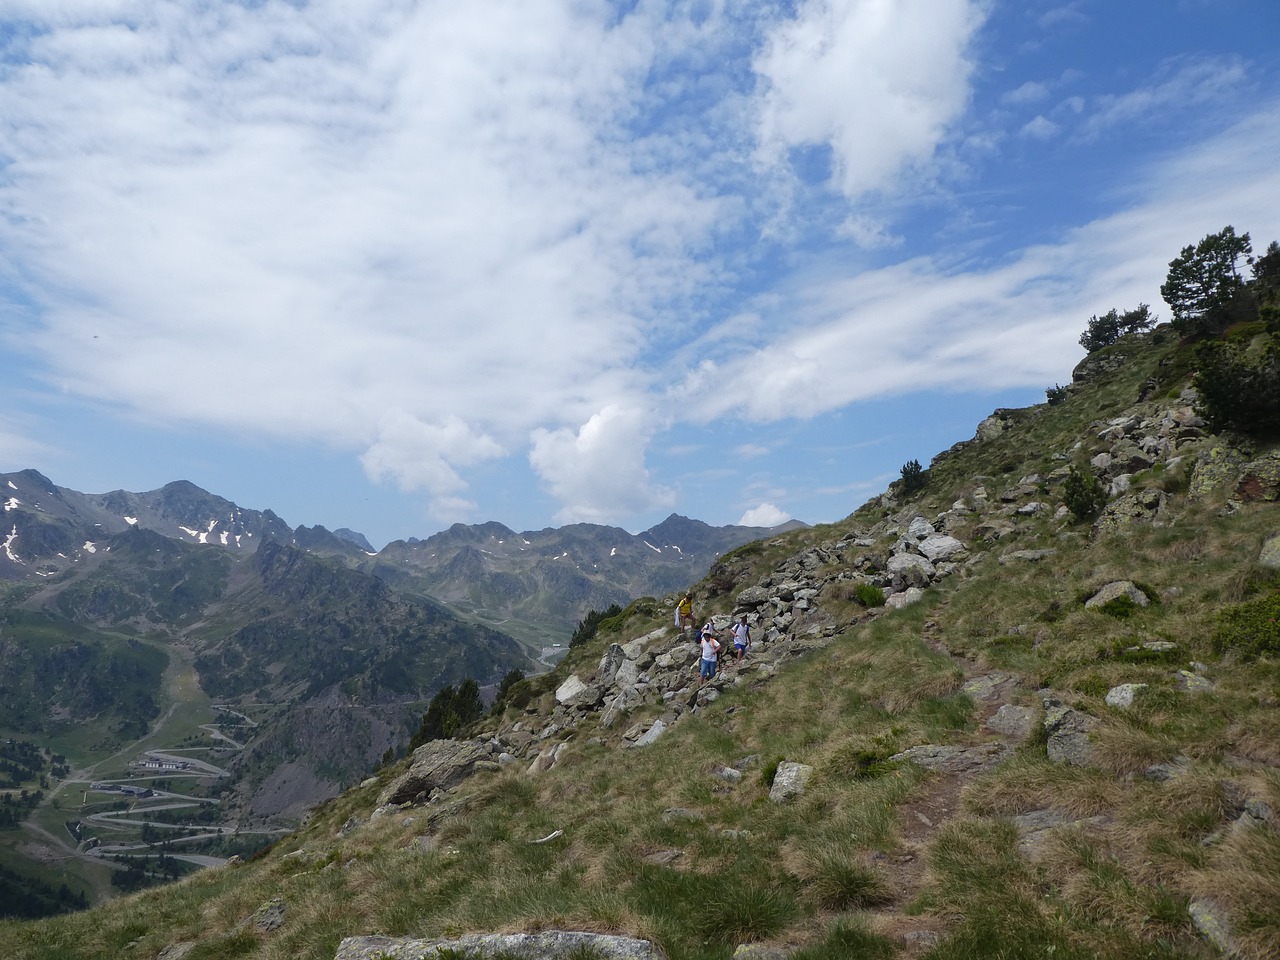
{"points": [[1252, 629], [1122, 608], [868, 594], [1055, 394], [1084, 495], [914, 477]]}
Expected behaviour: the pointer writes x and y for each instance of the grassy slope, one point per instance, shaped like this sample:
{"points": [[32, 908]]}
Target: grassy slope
{"points": [[871, 849]]}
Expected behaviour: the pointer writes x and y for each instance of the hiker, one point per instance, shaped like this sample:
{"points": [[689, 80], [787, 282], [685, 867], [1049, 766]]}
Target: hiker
{"points": [[684, 613], [741, 639], [710, 649]]}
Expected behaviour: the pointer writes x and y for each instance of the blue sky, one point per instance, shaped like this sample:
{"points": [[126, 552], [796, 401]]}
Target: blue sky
{"points": [[390, 264]]}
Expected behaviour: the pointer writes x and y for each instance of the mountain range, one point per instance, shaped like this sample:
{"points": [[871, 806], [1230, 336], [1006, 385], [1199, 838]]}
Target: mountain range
{"points": [[117, 607]]}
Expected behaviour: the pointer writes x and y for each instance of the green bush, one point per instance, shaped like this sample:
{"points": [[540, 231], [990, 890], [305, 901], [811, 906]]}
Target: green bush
{"points": [[914, 477], [1083, 494], [1239, 388], [1252, 629], [868, 594], [1055, 394]]}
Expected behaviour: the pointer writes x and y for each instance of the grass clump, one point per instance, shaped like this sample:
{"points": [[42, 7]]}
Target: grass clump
{"points": [[868, 594], [1250, 629]]}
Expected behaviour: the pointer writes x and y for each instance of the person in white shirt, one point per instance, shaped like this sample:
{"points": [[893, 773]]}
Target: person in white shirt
{"points": [[710, 648], [741, 639]]}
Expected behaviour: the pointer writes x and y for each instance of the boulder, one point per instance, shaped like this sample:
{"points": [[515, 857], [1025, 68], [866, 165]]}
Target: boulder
{"points": [[939, 546], [613, 658], [1270, 555], [947, 759], [789, 781], [1122, 697], [1141, 507], [547, 945], [753, 597], [1012, 721], [652, 734], [1115, 590], [437, 765], [1068, 731], [896, 601], [1215, 468], [1260, 479], [911, 570]]}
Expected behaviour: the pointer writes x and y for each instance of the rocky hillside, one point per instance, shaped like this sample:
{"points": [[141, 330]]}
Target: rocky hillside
{"points": [[1027, 709]]}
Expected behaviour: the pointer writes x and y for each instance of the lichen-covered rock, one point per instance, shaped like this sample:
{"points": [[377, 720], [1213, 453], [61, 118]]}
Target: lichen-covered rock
{"points": [[1216, 468], [1144, 506], [789, 781], [1114, 591], [548, 945], [437, 765], [1068, 731], [1212, 923], [1123, 696], [948, 759], [1270, 555], [1260, 479]]}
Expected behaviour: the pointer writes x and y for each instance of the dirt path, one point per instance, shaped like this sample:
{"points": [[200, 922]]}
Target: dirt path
{"points": [[940, 799]]}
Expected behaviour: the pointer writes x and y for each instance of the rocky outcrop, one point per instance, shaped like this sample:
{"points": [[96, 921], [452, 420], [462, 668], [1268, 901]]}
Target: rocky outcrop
{"points": [[437, 765], [548, 945]]}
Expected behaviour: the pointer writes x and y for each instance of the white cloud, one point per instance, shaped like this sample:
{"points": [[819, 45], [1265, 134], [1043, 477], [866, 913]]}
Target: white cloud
{"points": [[929, 324], [880, 83], [1039, 129], [764, 515], [750, 450], [598, 471], [1180, 85], [1030, 92]]}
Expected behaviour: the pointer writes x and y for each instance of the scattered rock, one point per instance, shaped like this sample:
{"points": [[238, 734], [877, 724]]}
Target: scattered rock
{"points": [[1068, 731], [1013, 722], [437, 765], [548, 945], [789, 781], [1122, 697], [947, 759], [1211, 921], [1116, 590]]}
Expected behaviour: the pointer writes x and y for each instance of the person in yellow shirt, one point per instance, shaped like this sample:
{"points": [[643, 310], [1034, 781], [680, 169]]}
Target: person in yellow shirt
{"points": [[685, 612]]}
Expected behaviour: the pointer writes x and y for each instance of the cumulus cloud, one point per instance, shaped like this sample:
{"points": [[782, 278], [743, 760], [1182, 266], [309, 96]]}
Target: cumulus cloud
{"points": [[598, 471], [1039, 129], [764, 515], [879, 83]]}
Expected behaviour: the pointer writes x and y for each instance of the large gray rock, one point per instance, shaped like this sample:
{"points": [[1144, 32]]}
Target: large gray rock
{"points": [[753, 597], [941, 547], [613, 658], [1123, 696], [1013, 722], [575, 693], [1068, 731], [548, 945], [1270, 555], [789, 781], [437, 765], [1211, 920], [1115, 590], [911, 570], [947, 759]]}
